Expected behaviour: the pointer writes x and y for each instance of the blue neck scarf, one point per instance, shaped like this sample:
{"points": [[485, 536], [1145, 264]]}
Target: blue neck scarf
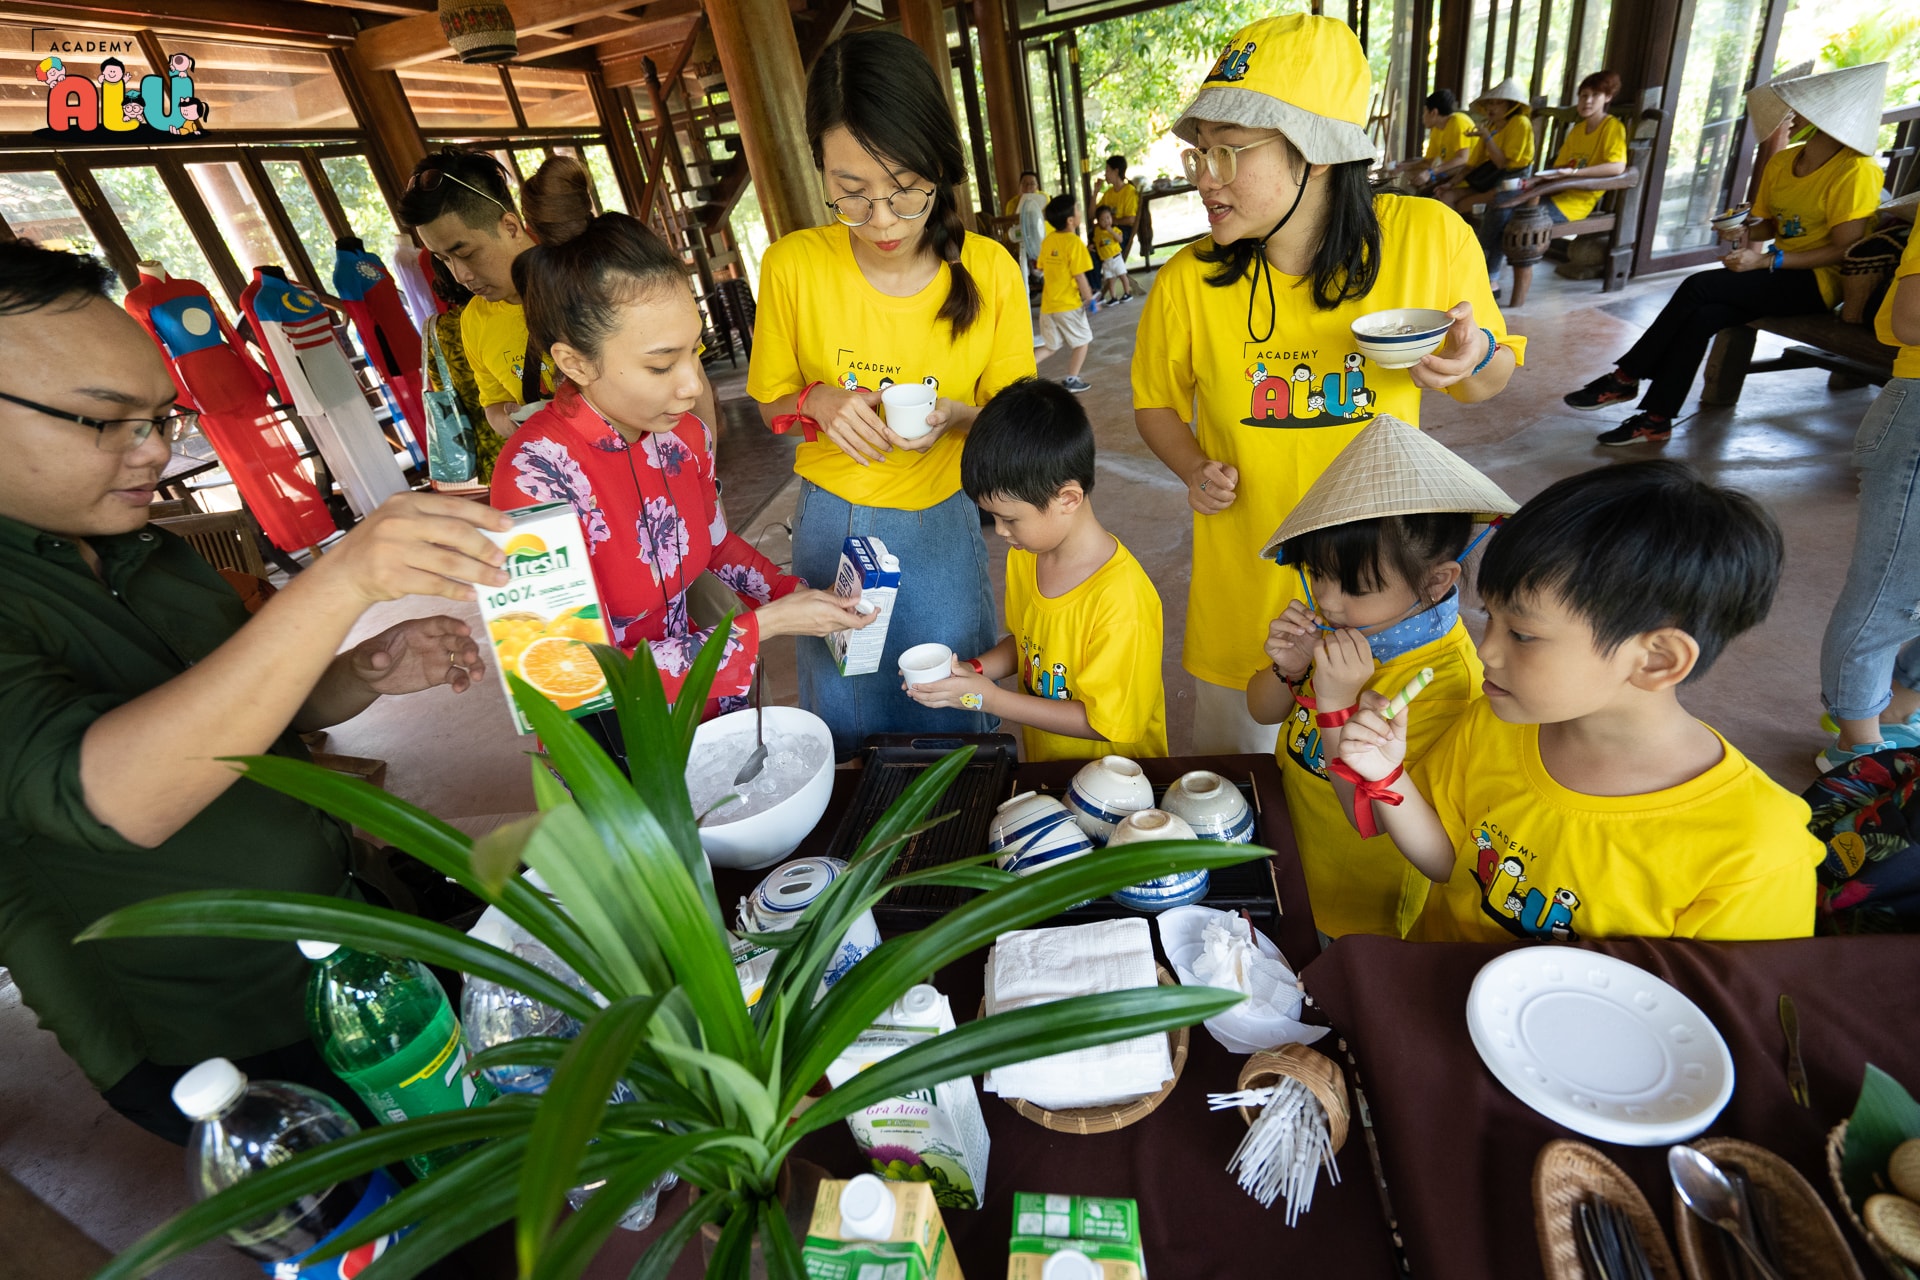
{"points": [[1422, 628]]}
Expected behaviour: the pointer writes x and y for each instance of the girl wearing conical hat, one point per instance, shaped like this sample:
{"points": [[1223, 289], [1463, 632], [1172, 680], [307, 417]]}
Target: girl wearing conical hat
{"points": [[1503, 150], [1299, 249], [1816, 198], [1376, 548]]}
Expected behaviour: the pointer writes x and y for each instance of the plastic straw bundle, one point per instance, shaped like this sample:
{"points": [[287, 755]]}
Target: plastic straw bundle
{"points": [[1285, 1147]]}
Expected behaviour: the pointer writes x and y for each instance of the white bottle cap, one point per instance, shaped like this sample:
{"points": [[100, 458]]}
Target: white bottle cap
{"points": [[208, 1089], [865, 607], [317, 950], [866, 1209], [1070, 1264], [890, 563], [918, 1004]]}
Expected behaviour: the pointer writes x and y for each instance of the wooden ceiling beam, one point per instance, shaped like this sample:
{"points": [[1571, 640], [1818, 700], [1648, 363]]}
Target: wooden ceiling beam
{"points": [[308, 25], [399, 8], [407, 41], [579, 36]]}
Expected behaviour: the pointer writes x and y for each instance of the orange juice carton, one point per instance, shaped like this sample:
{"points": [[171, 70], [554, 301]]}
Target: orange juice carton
{"points": [[1074, 1238], [868, 1228], [543, 619], [867, 571]]}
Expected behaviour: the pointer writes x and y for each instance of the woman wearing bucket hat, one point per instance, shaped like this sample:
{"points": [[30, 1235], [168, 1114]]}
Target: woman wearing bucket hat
{"points": [[1815, 199], [1503, 150], [895, 291], [1247, 380]]}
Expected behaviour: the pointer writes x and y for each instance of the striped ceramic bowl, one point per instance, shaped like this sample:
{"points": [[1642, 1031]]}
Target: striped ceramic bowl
{"points": [[1182, 889], [1104, 792], [1032, 831]]}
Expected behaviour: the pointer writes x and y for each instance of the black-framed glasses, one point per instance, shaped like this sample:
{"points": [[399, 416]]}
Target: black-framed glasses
{"points": [[429, 180], [1222, 161], [119, 435], [908, 203]]}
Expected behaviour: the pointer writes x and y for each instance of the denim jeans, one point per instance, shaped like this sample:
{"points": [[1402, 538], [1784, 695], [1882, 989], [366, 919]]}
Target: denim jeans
{"points": [[945, 596], [1873, 637]]}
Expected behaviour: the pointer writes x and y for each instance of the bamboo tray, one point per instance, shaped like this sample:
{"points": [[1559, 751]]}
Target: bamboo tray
{"points": [[1811, 1245], [1566, 1173]]}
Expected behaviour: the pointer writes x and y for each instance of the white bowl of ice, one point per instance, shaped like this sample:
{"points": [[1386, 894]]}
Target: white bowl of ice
{"points": [[776, 810], [1397, 339]]}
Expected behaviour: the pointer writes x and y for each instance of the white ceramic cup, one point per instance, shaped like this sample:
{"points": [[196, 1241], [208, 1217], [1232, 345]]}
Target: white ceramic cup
{"points": [[925, 662], [908, 405]]}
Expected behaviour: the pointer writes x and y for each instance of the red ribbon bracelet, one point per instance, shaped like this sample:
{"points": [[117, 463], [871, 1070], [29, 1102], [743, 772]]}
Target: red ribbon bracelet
{"points": [[785, 422], [1334, 719], [1365, 792]]}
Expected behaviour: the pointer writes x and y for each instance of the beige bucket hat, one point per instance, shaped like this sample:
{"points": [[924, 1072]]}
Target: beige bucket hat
{"points": [[1391, 469], [1845, 104]]}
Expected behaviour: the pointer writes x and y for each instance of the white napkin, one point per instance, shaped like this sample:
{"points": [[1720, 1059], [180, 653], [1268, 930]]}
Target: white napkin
{"points": [[1220, 949], [1037, 966]]}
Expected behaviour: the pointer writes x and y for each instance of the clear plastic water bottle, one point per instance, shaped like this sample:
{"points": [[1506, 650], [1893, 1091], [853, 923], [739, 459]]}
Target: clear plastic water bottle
{"points": [[385, 1026], [241, 1128]]}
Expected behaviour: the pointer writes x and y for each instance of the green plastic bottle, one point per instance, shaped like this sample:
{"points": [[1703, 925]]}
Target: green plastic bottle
{"points": [[386, 1028]]}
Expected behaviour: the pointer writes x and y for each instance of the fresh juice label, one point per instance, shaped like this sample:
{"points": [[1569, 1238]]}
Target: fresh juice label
{"points": [[542, 621], [1105, 1230]]}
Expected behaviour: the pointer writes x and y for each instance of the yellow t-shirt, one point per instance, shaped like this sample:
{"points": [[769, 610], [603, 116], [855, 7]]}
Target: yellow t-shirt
{"points": [[1106, 242], [1280, 410], [1726, 856], [495, 336], [1063, 256], [1582, 149], [1805, 210], [1124, 200], [1098, 644], [1368, 886], [1907, 363], [1516, 143], [1454, 134], [820, 321]]}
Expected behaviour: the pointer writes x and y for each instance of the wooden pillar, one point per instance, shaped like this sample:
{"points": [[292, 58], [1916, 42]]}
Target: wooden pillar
{"points": [[1450, 57], [620, 140], [394, 142], [925, 23], [760, 56], [999, 67]]}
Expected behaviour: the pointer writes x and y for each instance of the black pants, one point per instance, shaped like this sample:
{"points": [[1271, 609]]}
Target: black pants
{"points": [[1493, 234], [145, 1094], [1671, 350]]}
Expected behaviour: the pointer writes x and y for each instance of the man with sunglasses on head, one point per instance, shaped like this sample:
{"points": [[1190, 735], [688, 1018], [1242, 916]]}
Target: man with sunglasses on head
{"points": [[129, 668]]}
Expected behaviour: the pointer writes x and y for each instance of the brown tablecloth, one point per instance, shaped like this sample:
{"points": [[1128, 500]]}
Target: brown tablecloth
{"points": [[1458, 1149], [1196, 1223]]}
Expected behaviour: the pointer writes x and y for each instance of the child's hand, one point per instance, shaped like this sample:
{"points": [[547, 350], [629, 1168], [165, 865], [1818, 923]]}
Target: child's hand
{"points": [[1290, 639], [1371, 746], [954, 691], [1342, 665]]}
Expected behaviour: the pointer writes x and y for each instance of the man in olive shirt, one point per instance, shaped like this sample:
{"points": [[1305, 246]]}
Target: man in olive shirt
{"points": [[128, 667]]}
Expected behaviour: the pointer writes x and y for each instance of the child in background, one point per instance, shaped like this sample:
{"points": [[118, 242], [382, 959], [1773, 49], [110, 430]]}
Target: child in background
{"points": [[1084, 617], [1064, 260], [1115, 284], [1579, 798], [1377, 543]]}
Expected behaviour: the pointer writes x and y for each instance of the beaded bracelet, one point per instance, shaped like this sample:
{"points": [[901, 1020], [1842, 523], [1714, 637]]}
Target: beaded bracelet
{"points": [[1492, 346]]}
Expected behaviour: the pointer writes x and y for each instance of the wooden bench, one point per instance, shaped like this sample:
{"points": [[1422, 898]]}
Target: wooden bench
{"points": [[1850, 353], [1617, 216]]}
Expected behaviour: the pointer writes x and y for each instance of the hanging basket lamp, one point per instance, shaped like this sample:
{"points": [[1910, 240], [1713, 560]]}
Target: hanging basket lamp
{"points": [[479, 30]]}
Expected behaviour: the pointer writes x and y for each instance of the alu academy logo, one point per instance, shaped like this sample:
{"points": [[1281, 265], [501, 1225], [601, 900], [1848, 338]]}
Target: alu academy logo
{"points": [[114, 104]]}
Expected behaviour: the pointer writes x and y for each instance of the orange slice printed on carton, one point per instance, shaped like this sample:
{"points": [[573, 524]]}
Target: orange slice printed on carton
{"points": [[562, 669]]}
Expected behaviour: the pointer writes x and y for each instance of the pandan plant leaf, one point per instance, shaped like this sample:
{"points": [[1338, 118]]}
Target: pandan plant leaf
{"points": [[470, 1175], [778, 1248], [657, 1262]]}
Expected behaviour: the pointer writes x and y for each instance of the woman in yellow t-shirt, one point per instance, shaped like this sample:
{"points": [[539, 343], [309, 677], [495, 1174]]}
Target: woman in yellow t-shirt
{"points": [[1503, 150], [1246, 378], [893, 291], [1815, 200], [1595, 147]]}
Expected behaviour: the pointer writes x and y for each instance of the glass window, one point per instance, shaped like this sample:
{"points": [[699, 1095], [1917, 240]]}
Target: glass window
{"points": [[1707, 120], [359, 195], [303, 210], [237, 212], [1528, 27], [37, 207], [1045, 136], [600, 164], [453, 95], [1593, 38], [139, 199], [554, 99], [257, 86]]}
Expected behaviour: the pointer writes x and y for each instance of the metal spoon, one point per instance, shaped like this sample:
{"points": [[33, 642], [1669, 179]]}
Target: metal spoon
{"points": [[758, 760], [1706, 1191]]}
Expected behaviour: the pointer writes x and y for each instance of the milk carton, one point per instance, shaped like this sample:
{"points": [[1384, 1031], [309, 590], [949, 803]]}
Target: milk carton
{"points": [[543, 619], [869, 1228], [868, 571], [1104, 1233]]}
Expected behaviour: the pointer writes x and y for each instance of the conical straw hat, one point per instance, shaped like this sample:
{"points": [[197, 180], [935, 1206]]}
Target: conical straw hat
{"points": [[1508, 90], [1764, 107], [1845, 104], [1392, 469]]}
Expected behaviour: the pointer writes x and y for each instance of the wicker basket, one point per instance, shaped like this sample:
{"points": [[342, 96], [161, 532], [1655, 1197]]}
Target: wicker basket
{"points": [[1316, 1070], [1085, 1120], [1836, 1154], [1566, 1173], [1811, 1245]]}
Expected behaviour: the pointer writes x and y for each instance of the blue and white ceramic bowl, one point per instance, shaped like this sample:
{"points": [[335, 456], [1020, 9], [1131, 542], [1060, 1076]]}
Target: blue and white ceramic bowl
{"points": [[1212, 806], [1181, 889], [1397, 339], [1105, 792], [1032, 831]]}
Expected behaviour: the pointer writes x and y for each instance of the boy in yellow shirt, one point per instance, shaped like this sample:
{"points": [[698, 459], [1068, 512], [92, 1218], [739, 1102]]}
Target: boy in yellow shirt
{"points": [[1084, 617], [1578, 798], [1064, 262]]}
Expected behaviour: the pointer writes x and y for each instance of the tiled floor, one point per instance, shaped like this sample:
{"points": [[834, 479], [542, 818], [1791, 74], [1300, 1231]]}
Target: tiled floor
{"points": [[1787, 443]]}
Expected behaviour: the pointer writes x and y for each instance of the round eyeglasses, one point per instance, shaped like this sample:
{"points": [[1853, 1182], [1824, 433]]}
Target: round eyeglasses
{"points": [[1222, 161], [119, 435], [908, 203]]}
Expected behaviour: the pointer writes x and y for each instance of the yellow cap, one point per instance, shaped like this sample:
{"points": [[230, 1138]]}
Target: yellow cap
{"points": [[1302, 74]]}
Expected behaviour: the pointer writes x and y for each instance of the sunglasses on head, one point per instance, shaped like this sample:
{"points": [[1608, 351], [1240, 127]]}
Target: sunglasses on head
{"points": [[430, 180]]}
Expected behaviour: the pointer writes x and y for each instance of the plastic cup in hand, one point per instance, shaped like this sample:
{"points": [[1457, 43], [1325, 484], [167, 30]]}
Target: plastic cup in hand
{"points": [[908, 405], [926, 662]]}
